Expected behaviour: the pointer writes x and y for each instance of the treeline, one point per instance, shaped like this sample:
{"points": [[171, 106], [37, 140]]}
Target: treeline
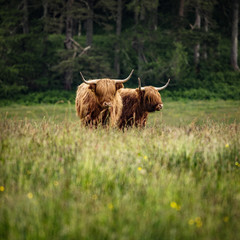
{"points": [[44, 44]]}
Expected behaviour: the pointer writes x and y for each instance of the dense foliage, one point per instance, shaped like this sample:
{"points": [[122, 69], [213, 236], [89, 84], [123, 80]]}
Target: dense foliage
{"points": [[154, 39]]}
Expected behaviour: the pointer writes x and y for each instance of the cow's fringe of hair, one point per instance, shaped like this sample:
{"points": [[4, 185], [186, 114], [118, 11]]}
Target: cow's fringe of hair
{"points": [[89, 110], [135, 106]]}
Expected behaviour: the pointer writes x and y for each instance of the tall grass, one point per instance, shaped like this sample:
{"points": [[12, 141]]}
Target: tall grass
{"points": [[59, 180]]}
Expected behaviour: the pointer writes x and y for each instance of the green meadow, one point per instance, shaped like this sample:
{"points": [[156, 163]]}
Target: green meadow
{"points": [[179, 178]]}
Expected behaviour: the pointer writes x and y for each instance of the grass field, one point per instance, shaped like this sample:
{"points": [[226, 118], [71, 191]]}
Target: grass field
{"points": [[179, 178]]}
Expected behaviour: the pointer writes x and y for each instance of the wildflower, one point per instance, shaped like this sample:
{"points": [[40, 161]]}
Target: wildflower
{"points": [[2, 188], [56, 183], [173, 204], [198, 222], [30, 195], [145, 157], [226, 219], [110, 206], [237, 164], [139, 168], [227, 145], [191, 222]]}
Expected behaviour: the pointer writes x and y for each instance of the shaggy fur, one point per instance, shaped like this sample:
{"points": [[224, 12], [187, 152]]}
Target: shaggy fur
{"points": [[137, 104], [99, 103]]}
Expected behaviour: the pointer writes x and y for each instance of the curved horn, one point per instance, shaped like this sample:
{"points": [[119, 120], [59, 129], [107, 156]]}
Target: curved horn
{"points": [[139, 84], [89, 81], [124, 80], [161, 88]]}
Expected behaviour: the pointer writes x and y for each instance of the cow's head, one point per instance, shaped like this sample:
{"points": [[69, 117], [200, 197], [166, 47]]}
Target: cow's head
{"points": [[106, 89], [150, 97]]}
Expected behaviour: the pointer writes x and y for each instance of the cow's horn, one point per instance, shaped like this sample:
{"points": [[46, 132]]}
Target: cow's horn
{"points": [[89, 81], [161, 88], [139, 84], [124, 80]]}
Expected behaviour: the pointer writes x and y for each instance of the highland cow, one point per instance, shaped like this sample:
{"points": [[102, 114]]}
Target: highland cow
{"points": [[98, 101], [137, 103]]}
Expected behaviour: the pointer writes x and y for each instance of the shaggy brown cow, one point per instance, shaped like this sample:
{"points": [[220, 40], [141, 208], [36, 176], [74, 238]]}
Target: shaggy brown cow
{"points": [[98, 101], [137, 103]]}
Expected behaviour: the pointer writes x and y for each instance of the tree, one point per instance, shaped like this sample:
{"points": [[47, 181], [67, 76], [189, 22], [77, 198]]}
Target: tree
{"points": [[89, 34], [234, 50], [53, 16], [118, 33], [181, 8], [197, 25], [145, 15], [68, 75], [25, 23]]}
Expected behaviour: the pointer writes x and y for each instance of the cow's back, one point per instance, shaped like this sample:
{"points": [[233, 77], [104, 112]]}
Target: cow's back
{"points": [[131, 107]]}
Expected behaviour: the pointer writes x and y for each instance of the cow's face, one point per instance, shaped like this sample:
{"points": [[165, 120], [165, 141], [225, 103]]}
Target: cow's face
{"points": [[152, 99], [105, 90]]}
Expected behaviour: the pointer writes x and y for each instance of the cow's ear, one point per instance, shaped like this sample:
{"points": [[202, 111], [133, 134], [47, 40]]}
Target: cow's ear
{"points": [[92, 87], [119, 85]]}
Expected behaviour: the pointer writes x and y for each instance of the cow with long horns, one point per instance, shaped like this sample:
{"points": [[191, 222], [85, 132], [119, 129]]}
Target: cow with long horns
{"points": [[137, 103], [98, 101]]}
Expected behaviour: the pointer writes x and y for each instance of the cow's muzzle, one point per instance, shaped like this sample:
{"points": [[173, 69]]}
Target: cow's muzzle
{"points": [[107, 104], [159, 107]]}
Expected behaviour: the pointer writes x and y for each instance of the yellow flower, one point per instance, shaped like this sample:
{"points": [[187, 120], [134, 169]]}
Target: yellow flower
{"points": [[226, 219], [173, 205], [2, 188], [191, 222], [198, 222], [110, 206], [56, 183], [30, 195], [139, 168], [236, 163], [227, 145], [145, 157]]}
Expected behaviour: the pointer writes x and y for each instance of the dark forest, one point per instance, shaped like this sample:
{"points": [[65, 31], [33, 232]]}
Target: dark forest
{"points": [[44, 45]]}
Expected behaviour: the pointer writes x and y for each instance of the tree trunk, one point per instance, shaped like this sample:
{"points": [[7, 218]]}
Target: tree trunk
{"points": [[234, 50], [154, 24], [45, 13], [136, 12], [205, 55], [141, 58], [181, 9], [79, 28], [197, 25], [139, 18], [45, 9], [68, 75], [89, 33], [25, 17], [118, 33]]}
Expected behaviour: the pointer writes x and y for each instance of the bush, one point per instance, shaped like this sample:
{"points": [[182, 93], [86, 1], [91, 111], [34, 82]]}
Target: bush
{"points": [[51, 96], [10, 91]]}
